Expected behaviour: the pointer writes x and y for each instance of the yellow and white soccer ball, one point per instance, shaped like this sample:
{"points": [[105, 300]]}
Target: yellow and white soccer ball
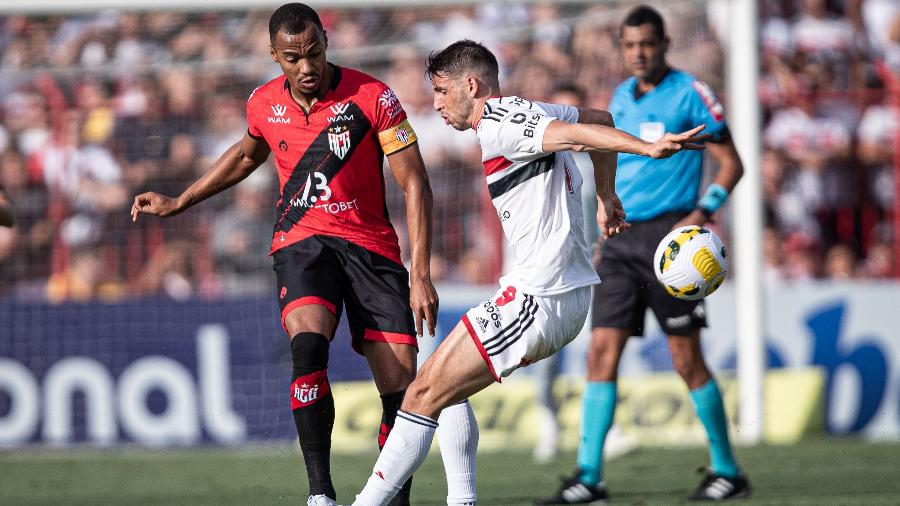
{"points": [[690, 262]]}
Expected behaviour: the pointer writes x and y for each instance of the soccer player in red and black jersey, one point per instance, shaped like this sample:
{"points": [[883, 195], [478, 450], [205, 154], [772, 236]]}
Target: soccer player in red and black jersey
{"points": [[333, 244]]}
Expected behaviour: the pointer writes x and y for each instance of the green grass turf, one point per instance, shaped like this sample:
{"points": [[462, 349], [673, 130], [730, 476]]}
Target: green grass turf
{"points": [[815, 472]]}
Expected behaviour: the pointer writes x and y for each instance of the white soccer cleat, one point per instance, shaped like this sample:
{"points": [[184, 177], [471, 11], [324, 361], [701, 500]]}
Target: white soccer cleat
{"points": [[320, 500], [548, 436], [618, 443]]}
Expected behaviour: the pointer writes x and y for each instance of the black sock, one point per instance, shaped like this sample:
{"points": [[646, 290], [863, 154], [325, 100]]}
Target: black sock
{"points": [[390, 404], [313, 407]]}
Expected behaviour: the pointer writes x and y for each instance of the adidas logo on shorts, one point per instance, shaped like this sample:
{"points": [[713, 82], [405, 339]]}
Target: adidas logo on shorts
{"points": [[482, 323]]}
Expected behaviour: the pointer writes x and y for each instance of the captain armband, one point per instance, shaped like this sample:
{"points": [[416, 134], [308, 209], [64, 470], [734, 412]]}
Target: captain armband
{"points": [[396, 138], [712, 200]]}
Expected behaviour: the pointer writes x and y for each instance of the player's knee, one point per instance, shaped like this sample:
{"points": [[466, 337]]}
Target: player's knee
{"points": [[691, 368], [309, 352], [420, 398], [603, 360]]}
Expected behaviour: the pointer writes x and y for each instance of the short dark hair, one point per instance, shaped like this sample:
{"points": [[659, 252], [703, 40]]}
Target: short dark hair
{"points": [[574, 89], [642, 15], [293, 18], [461, 56]]}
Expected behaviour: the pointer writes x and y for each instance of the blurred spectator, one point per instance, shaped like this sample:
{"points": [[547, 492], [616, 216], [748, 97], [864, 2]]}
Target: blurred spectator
{"points": [[242, 235], [879, 263], [168, 273], [773, 257], [819, 146], [881, 19], [875, 149], [84, 279], [802, 261], [820, 33], [840, 262]]}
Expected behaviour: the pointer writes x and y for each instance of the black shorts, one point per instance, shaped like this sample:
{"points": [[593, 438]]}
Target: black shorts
{"points": [[333, 272], [628, 284]]}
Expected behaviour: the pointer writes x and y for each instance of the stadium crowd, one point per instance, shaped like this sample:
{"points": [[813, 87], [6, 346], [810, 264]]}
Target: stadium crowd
{"points": [[95, 107]]}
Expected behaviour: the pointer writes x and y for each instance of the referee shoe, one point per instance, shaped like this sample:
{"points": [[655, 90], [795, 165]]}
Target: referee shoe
{"points": [[572, 491], [716, 487]]}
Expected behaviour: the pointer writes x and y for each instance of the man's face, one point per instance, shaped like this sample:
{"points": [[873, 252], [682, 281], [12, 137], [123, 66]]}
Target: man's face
{"points": [[643, 50], [301, 57], [452, 101]]}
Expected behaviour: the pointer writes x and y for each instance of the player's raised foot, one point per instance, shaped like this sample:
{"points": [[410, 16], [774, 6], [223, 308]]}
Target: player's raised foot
{"points": [[716, 487], [572, 491], [320, 500]]}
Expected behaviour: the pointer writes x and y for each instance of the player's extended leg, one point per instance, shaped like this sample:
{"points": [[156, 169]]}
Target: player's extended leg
{"points": [[393, 367], [311, 328], [724, 479], [452, 374]]}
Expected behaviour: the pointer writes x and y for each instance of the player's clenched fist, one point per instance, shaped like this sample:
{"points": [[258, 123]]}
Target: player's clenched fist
{"points": [[154, 203]]}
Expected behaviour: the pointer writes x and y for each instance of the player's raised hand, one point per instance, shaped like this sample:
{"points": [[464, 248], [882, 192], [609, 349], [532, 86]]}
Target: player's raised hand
{"points": [[154, 203], [423, 300], [611, 216], [670, 143]]}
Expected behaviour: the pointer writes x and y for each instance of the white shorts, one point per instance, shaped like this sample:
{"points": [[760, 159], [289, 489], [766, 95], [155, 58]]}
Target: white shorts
{"points": [[514, 329]]}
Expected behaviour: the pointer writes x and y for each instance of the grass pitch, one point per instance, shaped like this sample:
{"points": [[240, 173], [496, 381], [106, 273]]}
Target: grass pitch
{"points": [[825, 471]]}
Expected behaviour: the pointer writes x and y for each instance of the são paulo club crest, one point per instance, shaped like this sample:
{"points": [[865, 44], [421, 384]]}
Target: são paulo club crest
{"points": [[339, 140]]}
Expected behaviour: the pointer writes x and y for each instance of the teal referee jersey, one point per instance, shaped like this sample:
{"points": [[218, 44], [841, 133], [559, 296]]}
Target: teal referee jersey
{"points": [[648, 187]]}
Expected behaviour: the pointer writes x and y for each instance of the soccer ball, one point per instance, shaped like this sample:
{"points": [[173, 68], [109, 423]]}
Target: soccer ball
{"points": [[690, 262]]}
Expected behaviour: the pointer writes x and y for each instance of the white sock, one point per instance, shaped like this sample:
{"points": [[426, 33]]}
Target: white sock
{"points": [[403, 453], [458, 439]]}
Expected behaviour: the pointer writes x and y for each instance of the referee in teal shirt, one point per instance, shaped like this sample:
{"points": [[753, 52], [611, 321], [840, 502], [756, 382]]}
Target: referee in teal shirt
{"points": [[658, 195]]}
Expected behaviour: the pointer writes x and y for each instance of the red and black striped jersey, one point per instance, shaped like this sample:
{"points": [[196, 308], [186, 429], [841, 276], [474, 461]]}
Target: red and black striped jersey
{"points": [[329, 160]]}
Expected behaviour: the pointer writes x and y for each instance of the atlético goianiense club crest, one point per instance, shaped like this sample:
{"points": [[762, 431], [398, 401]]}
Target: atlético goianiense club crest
{"points": [[339, 140]]}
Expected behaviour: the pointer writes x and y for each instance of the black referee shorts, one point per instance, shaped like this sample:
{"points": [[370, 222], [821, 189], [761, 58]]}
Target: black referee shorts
{"points": [[629, 286], [333, 272]]}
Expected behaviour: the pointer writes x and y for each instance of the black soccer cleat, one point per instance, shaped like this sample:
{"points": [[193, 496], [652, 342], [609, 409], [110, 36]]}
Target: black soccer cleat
{"points": [[716, 487], [572, 491]]}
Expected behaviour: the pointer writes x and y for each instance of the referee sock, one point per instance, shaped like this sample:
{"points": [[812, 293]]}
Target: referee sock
{"points": [[598, 411], [708, 403], [457, 435], [390, 404], [312, 405], [403, 453]]}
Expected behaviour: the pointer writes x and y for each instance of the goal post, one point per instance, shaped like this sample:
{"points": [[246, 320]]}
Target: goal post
{"points": [[747, 217]]}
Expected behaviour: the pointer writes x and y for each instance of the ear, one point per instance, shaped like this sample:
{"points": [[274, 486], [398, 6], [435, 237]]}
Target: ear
{"points": [[325, 37], [665, 44], [473, 86], [273, 53]]}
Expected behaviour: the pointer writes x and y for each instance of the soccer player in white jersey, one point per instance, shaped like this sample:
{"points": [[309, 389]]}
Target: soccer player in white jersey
{"points": [[535, 187]]}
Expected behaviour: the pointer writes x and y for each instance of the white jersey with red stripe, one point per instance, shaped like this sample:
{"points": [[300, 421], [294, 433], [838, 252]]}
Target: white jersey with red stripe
{"points": [[537, 196]]}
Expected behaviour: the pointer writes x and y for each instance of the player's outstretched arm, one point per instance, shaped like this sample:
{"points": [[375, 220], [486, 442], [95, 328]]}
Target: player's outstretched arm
{"points": [[233, 166], [563, 136], [409, 171]]}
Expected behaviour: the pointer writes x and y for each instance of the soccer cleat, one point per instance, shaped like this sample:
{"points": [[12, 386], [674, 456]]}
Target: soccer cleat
{"points": [[715, 487], [320, 500], [548, 441], [572, 491]]}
